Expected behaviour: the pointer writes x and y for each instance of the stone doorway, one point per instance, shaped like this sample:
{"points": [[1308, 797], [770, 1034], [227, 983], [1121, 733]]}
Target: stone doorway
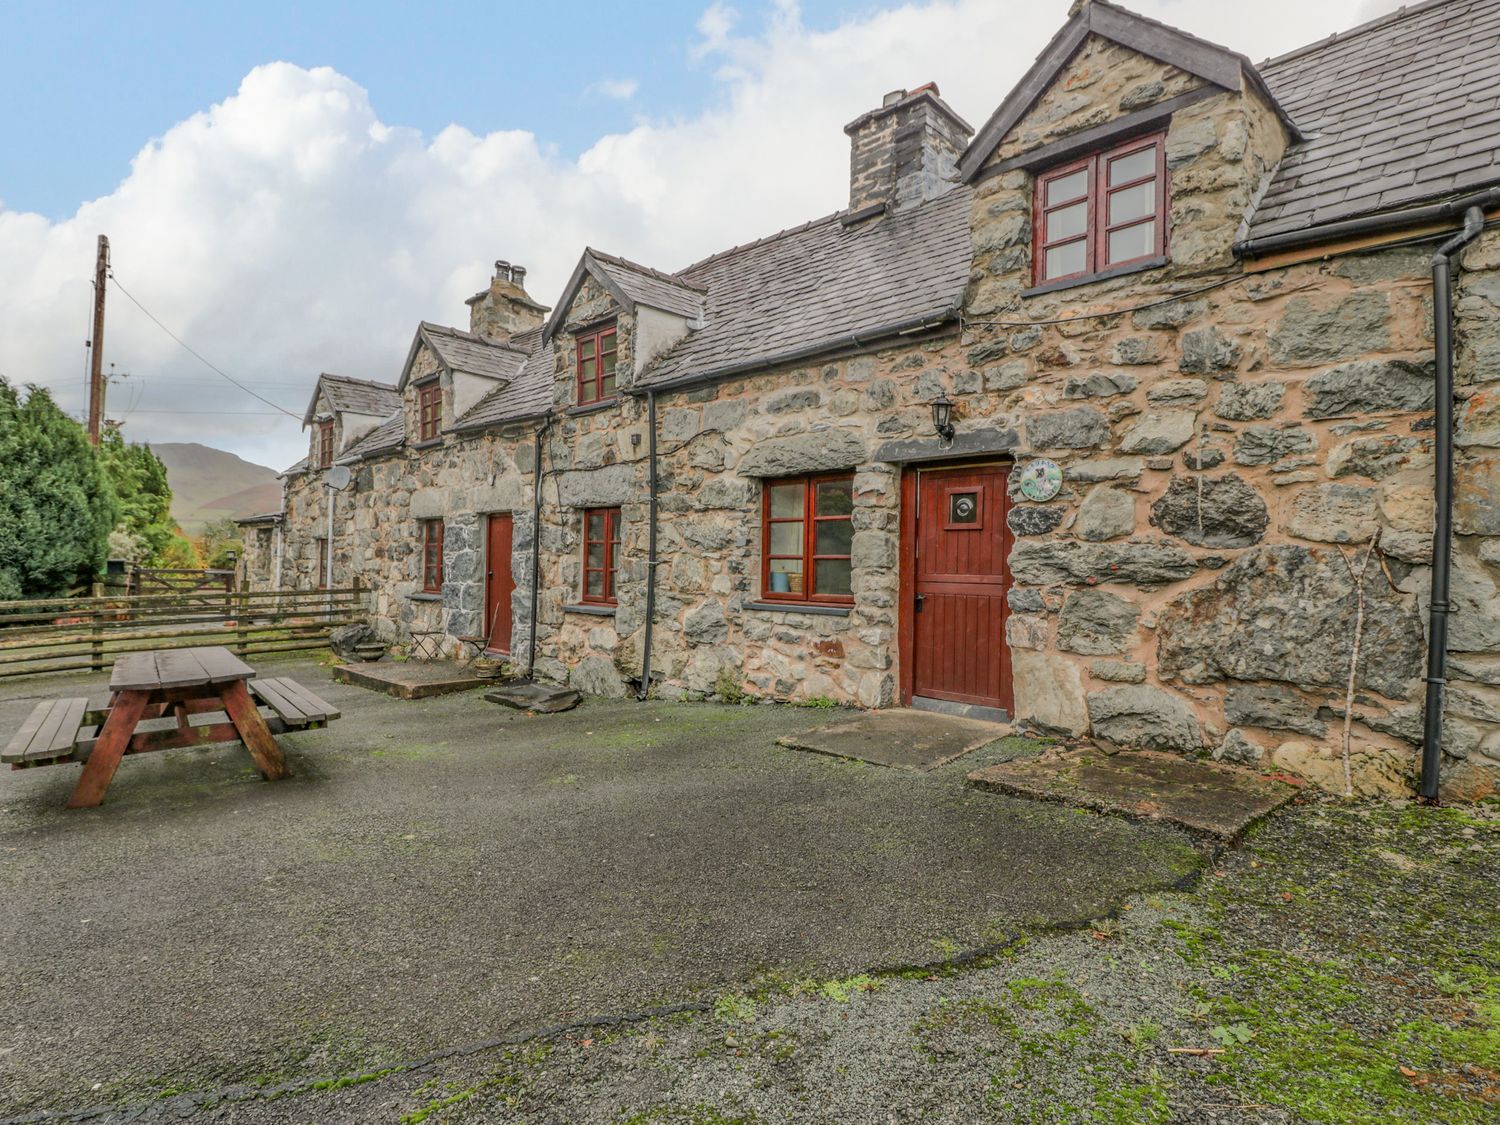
{"points": [[955, 541]]}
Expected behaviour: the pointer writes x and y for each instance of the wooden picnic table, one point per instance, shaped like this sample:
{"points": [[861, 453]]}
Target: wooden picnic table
{"points": [[180, 683]]}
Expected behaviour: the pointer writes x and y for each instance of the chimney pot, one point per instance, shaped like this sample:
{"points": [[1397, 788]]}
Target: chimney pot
{"points": [[893, 97], [502, 269], [518, 275]]}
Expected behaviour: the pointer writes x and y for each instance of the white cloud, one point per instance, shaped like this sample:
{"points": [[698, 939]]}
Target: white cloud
{"points": [[289, 230], [619, 89]]}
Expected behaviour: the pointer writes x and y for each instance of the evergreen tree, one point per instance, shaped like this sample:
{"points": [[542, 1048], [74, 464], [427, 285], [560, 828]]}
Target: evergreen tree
{"points": [[56, 502], [146, 531]]}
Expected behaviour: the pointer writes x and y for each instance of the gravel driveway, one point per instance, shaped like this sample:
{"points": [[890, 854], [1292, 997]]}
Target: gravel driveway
{"points": [[447, 872]]}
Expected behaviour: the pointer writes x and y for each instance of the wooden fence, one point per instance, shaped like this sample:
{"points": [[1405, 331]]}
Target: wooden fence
{"points": [[86, 634], [145, 580]]}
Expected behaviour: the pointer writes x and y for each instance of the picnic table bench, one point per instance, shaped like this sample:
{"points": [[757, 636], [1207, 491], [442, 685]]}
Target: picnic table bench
{"points": [[158, 700]]}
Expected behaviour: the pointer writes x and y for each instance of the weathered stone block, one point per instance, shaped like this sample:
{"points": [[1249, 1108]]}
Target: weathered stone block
{"points": [[1137, 350], [1206, 352], [794, 454], [1096, 623], [1375, 457], [1245, 402], [1335, 513], [1100, 385], [1476, 496], [1171, 315], [1106, 513], [1133, 563], [1049, 692], [1177, 392], [1212, 511], [1034, 519], [1159, 432], [1322, 331], [1145, 718], [1119, 671], [1370, 386], [1286, 613], [1104, 469], [1272, 706], [1265, 445], [1083, 427]]}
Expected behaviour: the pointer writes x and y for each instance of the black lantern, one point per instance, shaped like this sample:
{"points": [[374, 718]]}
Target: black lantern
{"points": [[942, 417]]}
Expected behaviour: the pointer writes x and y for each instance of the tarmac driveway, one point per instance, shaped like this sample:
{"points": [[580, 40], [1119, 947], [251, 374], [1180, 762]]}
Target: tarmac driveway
{"points": [[447, 871]]}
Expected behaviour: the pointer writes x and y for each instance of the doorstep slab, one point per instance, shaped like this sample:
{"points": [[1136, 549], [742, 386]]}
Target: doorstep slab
{"points": [[1219, 801], [900, 738], [410, 679], [541, 698]]}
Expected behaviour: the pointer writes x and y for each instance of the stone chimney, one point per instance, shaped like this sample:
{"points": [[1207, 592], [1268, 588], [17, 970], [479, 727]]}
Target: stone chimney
{"points": [[505, 308], [904, 152]]}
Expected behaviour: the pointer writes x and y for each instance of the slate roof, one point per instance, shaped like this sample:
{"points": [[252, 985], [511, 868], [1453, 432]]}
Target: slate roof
{"points": [[356, 396], [646, 286], [389, 435], [262, 517], [816, 286], [1398, 111], [294, 470], [473, 355], [528, 395]]}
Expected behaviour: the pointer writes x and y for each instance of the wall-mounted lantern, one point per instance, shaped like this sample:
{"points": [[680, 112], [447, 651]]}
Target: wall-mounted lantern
{"points": [[942, 417]]}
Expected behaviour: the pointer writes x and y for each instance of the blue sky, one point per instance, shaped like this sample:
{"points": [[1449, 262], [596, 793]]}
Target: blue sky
{"points": [[100, 79]]}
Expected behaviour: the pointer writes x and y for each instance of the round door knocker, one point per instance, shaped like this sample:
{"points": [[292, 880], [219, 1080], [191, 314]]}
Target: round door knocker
{"points": [[1041, 480]]}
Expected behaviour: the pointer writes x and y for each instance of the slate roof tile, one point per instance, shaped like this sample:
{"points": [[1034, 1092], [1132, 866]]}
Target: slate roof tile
{"points": [[388, 436], [474, 355]]}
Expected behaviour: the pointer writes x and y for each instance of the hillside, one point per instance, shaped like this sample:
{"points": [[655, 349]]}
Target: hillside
{"points": [[208, 484]]}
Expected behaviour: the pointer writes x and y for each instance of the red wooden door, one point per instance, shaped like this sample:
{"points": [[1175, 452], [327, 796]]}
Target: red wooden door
{"points": [[499, 583], [962, 540]]}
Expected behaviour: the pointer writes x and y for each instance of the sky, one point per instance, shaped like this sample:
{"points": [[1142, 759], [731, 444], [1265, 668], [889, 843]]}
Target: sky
{"points": [[289, 188]]}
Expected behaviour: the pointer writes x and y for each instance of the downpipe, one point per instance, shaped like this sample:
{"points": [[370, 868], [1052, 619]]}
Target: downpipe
{"points": [[536, 543], [1442, 534], [654, 484]]}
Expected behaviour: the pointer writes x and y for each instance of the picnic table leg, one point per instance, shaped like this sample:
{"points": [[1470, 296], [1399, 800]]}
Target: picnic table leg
{"points": [[253, 731], [113, 740]]}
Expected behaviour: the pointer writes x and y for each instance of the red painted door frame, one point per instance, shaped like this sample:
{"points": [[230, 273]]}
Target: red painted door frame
{"points": [[906, 625], [499, 581]]}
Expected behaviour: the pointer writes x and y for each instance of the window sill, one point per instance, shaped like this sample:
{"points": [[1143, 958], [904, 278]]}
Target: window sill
{"points": [[591, 610], [428, 444], [591, 407], [818, 608], [425, 596], [1101, 275]]}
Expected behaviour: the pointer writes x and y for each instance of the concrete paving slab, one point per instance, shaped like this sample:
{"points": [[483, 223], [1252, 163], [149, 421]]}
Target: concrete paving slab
{"points": [[541, 698], [410, 679], [1219, 801], [900, 738]]}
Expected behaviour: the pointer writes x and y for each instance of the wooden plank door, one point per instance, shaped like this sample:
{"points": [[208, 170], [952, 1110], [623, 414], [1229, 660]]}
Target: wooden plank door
{"points": [[960, 582], [499, 583]]}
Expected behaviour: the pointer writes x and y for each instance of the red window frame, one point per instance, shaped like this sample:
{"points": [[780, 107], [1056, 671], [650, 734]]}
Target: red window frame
{"points": [[809, 556], [610, 542], [597, 348], [1095, 198], [429, 410], [325, 444], [432, 556]]}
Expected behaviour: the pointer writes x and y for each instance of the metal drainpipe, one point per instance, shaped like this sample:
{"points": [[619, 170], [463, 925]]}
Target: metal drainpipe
{"points": [[1442, 535], [536, 543], [650, 546]]}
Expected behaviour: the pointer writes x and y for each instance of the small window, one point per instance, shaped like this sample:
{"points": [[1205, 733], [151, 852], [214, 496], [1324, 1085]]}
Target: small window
{"points": [[807, 539], [1103, 211], [601, 554], [325, 444], [322, 564], [429, 411], [432, 556], [596, 366]]}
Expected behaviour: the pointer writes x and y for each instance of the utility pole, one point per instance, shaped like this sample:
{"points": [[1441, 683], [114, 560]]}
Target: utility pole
{"points": [[96, 345]]}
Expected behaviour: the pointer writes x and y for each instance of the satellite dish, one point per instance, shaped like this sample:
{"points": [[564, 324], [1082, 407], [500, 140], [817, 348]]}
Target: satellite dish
{"points": [[337, 478]]}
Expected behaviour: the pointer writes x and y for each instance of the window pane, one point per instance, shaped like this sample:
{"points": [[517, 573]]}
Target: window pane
{"points": [[833, 537], [596, 525], [594, 584], [586, 348], [1064, 188], [594, 556], [586, 370], [1132, 242], [607, 387], [786, 538], [1065, 259], [786, 500], [1132, 203], [834, 498], [608, 359], [786, 566], [1067, 222], [832, 576], [1123, 169]]}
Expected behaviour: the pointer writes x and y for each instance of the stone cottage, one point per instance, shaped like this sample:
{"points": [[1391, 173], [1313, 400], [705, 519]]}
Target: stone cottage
{"points": [[1122, 415]]}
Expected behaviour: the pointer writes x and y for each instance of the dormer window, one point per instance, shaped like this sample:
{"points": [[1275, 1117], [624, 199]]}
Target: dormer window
{"points": [[1101, 213], [325, 444], [429, 411], [596, 365]]}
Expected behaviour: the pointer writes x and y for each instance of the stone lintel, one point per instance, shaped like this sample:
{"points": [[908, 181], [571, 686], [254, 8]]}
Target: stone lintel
{"points": [[965, 443]]}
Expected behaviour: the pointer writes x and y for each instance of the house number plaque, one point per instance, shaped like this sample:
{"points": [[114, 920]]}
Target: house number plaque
{"points": [[1041, 479]]}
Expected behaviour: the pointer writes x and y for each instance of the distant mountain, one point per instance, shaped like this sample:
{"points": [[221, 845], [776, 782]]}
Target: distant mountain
{"points": [[208, 484]]}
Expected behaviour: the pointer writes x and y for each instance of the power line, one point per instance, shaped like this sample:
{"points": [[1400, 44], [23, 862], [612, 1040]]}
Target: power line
{"points": [[226, 413], [199, 357]]}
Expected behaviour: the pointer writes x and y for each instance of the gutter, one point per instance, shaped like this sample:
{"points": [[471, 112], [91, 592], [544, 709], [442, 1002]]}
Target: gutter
{"points": [[853, 343], [1442, 535], [1369, 224], [651, 560], [536, 543]]}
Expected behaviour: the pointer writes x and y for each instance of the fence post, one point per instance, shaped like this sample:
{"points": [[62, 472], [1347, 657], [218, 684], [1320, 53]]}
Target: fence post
{"points": [[242, 624], [96, 643]]}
